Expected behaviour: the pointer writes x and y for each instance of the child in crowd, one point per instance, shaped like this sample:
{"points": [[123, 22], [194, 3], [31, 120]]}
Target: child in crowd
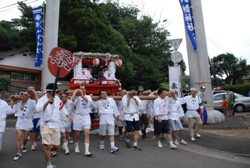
{"points": [[224, 106]]}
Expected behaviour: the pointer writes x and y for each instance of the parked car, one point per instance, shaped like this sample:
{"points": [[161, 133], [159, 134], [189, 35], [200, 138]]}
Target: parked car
{"points": [[219, 91], [241, 102]]}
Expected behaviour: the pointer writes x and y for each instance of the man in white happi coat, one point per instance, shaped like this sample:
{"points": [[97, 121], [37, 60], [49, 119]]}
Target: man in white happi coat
{"points": [[82, 121], [108, 112], [49, 122], [4, 110], [194, 110], [175, 113], [120, 122], [25, 113], [65, 120], [161, 123], [131, 104]]}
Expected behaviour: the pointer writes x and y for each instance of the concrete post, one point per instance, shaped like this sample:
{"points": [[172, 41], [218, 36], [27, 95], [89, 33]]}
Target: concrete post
{"points": [[198, 62], [50, 37]]}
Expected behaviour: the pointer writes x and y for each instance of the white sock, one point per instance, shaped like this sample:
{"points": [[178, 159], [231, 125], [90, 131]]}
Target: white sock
{"points": [[159, 143], [135, 143], [151, 126], [171, 143], [127, 140], [86, 147], [65, 144], [112, 144], [102, 142]]}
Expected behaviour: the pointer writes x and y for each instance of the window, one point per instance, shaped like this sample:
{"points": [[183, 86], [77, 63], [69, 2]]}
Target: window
{"points": [[23, 77], [219, 97]]}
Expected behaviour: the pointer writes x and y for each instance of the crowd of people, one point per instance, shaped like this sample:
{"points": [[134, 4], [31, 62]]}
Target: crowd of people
{"points": [[59, 119]]}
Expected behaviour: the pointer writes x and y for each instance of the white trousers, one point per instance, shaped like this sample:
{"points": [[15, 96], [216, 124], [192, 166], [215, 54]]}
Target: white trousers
{"points": [[1, 140]]}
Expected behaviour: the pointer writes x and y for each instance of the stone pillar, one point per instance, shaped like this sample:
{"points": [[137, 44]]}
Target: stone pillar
{"points": [[198, 62], [50, 37]]}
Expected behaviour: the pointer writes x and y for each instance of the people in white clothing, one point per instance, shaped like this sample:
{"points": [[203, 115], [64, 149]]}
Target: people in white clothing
{"points": [[25, 114], [120, 122], [5, 109], [108, 112], [37, 114], [65, 121], [49, 122], [194, 110], [161, 123], [175, 114], [82, 120], [131, 104], [143, 113]]}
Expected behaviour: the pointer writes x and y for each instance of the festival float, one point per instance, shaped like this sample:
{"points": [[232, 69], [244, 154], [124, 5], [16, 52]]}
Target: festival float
{"points": [[82, 63]]}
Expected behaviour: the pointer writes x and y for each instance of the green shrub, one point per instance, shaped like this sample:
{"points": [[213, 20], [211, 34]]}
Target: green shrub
{"points": [[240, 88], [4, 83]]}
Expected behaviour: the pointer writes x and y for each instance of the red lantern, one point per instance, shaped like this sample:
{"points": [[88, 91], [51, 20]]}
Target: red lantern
{"points": [[118, 62], [96, 61]]}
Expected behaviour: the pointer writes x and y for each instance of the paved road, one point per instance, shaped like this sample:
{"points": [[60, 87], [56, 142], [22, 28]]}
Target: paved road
{"points": [[191, 155]]}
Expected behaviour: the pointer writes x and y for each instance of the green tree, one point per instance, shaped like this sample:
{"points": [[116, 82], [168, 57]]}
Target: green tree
{"points": [[4, 83], [231, 67], [10, 35]]}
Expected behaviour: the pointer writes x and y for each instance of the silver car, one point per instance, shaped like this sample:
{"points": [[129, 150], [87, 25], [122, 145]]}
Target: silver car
{"points": [[241, 102]]}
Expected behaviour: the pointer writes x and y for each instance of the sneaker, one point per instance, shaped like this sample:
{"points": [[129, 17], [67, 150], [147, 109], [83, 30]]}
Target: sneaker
{"points": [[88, 154], [176, 142], [71, 140], [77, 148], [101, 147], [33, 148], [160, 145], [136, 148], [192, 139], [198, 135], [66, 151], [172, 146], [53, 153], [114, 149], [51, 166], [183, 142], [24, 149], [18, 156], [121, 138], [128, 144]]}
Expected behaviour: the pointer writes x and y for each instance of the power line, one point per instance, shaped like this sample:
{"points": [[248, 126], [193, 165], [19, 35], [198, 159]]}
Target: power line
{"points": [[11, 4], [217, 44], [15, 7]]}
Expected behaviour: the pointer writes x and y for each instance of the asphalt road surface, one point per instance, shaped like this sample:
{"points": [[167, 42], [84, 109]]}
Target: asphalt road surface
{"points": [[189, 156]]}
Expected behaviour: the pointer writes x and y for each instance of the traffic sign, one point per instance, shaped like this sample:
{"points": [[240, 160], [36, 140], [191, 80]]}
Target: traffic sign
{"points": [[175, 43]]}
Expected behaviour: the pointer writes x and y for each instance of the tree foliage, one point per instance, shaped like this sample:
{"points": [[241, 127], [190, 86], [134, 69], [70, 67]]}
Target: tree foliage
{"points": [[230, 67], [4, 83]]}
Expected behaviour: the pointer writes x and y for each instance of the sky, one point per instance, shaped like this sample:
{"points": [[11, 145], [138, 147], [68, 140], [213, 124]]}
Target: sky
{"points": [[226, 22]]}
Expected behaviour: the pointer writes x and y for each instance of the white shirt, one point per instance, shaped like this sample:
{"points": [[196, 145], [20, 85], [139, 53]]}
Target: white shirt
{"points": [[4, 110], [131, 111], [161, 107], [70, 107], [63, 112], [192, 105], [120, 108], [51, 115], [82, 107], [143, 107], [26, 111], [107, 108], [175, 110]]}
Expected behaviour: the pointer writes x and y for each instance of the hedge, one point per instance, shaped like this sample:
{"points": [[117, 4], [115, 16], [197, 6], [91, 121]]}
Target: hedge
{"points": [[240, 88]]}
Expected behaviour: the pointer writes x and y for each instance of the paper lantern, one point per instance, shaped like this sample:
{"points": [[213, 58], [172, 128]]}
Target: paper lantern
{"points": [[96, 61], [118, 62]]}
